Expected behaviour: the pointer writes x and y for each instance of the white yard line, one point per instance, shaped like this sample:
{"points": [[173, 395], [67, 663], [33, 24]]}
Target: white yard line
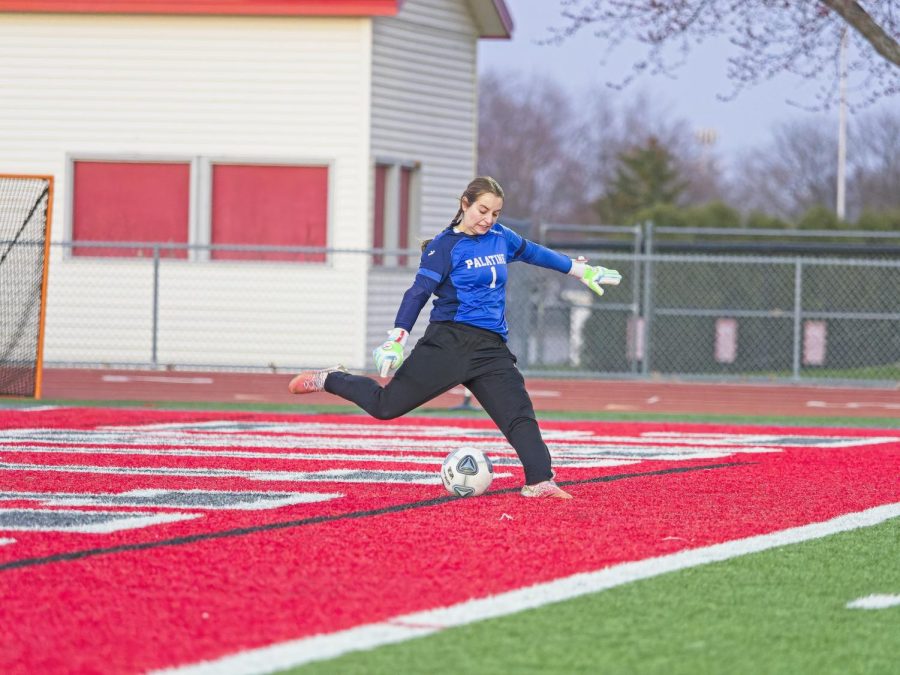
{"points": [[875, 602], [410, 626], [164, 379]]}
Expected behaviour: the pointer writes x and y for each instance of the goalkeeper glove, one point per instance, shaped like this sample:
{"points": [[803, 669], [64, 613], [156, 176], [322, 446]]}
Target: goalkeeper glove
{"points": [[389, 356], [593, 276]]}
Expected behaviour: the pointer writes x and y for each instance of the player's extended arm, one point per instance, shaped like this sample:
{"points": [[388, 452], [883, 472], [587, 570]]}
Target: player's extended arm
{"points": [[389, 356], [594, 276]]}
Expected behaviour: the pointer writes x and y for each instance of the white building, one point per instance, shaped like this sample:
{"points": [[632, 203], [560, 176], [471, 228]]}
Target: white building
{"points": [[343, 124]]}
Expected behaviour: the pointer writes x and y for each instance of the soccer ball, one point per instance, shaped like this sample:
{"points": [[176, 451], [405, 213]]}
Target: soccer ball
{"points": [[467, 472]]}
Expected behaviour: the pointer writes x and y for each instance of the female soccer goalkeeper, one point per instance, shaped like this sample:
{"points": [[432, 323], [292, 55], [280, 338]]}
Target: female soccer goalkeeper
{"points": [[464, 266]]}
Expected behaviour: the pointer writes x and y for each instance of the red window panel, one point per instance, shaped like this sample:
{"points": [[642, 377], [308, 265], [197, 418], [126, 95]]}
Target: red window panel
{"points": [[378, 217], [262, 205], [404, 202], [131, 201]]}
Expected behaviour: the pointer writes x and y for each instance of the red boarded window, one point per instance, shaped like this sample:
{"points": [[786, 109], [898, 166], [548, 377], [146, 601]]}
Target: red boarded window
{"points": [[378, 224], [405, 206], [263, 205], [394, 209], [131, 201]]}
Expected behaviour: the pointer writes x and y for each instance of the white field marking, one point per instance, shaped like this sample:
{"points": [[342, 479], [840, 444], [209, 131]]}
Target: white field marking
{"points": [[162, 437], [780, 440], [534, 393], [440, 447], [300, 428], [579, 460], [329, 476], [544, 393], [653, 399], [7, 542], [104, 522], [853, 405], [346, 429], [419, 624], [581, 457], [166, 379], [175, 499], [420, 433], [875, 602], [40, 408], [386, 446]]}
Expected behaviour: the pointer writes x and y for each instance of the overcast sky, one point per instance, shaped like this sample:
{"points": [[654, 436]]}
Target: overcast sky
{"points": [[741, 123]]}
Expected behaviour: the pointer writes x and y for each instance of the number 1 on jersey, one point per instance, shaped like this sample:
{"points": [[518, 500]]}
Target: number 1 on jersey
{"points": [[493, 277]]}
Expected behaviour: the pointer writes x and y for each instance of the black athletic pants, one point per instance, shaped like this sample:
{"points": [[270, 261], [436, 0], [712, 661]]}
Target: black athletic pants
{"points": [[450, 354]]}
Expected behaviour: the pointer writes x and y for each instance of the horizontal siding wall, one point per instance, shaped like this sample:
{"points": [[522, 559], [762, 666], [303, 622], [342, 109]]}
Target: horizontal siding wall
{"points": [[291, 90], [424, 104], [424, 109]]}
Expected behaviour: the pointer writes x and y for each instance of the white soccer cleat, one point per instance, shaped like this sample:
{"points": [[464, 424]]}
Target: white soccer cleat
{"points": [[310, 381], [545, 488]]}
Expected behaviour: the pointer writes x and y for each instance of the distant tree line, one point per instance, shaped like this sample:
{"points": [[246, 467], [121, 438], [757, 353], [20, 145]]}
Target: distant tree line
{"points": [[628, 162]]}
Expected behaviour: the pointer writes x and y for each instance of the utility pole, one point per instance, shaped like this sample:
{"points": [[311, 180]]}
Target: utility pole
{"points": [[842, 131]]}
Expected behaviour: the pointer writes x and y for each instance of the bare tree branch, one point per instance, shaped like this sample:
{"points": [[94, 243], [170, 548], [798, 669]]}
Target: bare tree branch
{"points": [[874, 34], [770, 37]]}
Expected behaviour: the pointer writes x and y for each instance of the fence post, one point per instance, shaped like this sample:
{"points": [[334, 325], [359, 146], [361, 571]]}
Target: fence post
{"points": [[636, 287], [155, 327], [648, 297], [798, 312]]}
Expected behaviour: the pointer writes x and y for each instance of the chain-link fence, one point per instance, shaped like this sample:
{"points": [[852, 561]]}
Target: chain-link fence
{"points": [[676, 316]]}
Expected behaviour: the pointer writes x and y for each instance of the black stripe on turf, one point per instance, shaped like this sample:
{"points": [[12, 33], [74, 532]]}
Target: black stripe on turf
{"points": [[315, 520]]}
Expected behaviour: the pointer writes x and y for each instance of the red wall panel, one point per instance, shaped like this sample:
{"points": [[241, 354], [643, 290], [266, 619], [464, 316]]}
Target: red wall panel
{"points": [[269, 205], [403, 225], [130, 201], [378, 214]]}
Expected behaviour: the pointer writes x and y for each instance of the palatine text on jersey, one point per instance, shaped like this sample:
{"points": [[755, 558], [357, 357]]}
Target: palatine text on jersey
{"points": [[486, 261]]}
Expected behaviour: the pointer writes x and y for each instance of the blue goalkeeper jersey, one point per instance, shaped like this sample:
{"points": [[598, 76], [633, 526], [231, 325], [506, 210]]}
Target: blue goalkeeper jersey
{"points": [[467, 275]]}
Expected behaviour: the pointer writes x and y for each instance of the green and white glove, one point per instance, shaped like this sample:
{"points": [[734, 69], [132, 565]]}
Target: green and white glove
{"points": [[389, 356], [593, 276]]}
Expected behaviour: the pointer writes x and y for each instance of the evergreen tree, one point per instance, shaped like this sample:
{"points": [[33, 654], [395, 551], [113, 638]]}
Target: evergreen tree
{"points": [[645, 177]]}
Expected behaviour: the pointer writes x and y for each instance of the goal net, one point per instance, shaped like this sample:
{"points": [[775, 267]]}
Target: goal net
{"points": [[25, 206]]}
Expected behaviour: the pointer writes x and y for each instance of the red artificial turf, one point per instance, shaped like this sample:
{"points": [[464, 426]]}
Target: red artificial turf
{"points": [[198, 589]]}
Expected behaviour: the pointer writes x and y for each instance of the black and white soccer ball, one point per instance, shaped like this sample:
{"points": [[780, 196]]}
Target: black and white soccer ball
{"points": [[467, 472]]}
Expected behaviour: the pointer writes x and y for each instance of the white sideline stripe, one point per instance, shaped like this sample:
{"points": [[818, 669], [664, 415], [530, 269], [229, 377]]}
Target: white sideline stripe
{"points": [[875, 602], [166, 379], [409, 626]]}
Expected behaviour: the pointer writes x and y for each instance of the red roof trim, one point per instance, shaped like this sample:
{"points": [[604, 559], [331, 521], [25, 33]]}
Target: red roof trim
{"points": [[217, 7]]}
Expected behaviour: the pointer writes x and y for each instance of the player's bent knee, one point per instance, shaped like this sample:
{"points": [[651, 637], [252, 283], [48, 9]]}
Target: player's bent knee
{"points": [[385, 412], [520, 423]]}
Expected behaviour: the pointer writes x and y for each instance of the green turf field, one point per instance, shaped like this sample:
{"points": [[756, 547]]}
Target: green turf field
{"points": [[777, 611]]}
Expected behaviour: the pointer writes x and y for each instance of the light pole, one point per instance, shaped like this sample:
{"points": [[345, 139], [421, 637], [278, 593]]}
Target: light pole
{"points": [[706, 138], [841, 207]]}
